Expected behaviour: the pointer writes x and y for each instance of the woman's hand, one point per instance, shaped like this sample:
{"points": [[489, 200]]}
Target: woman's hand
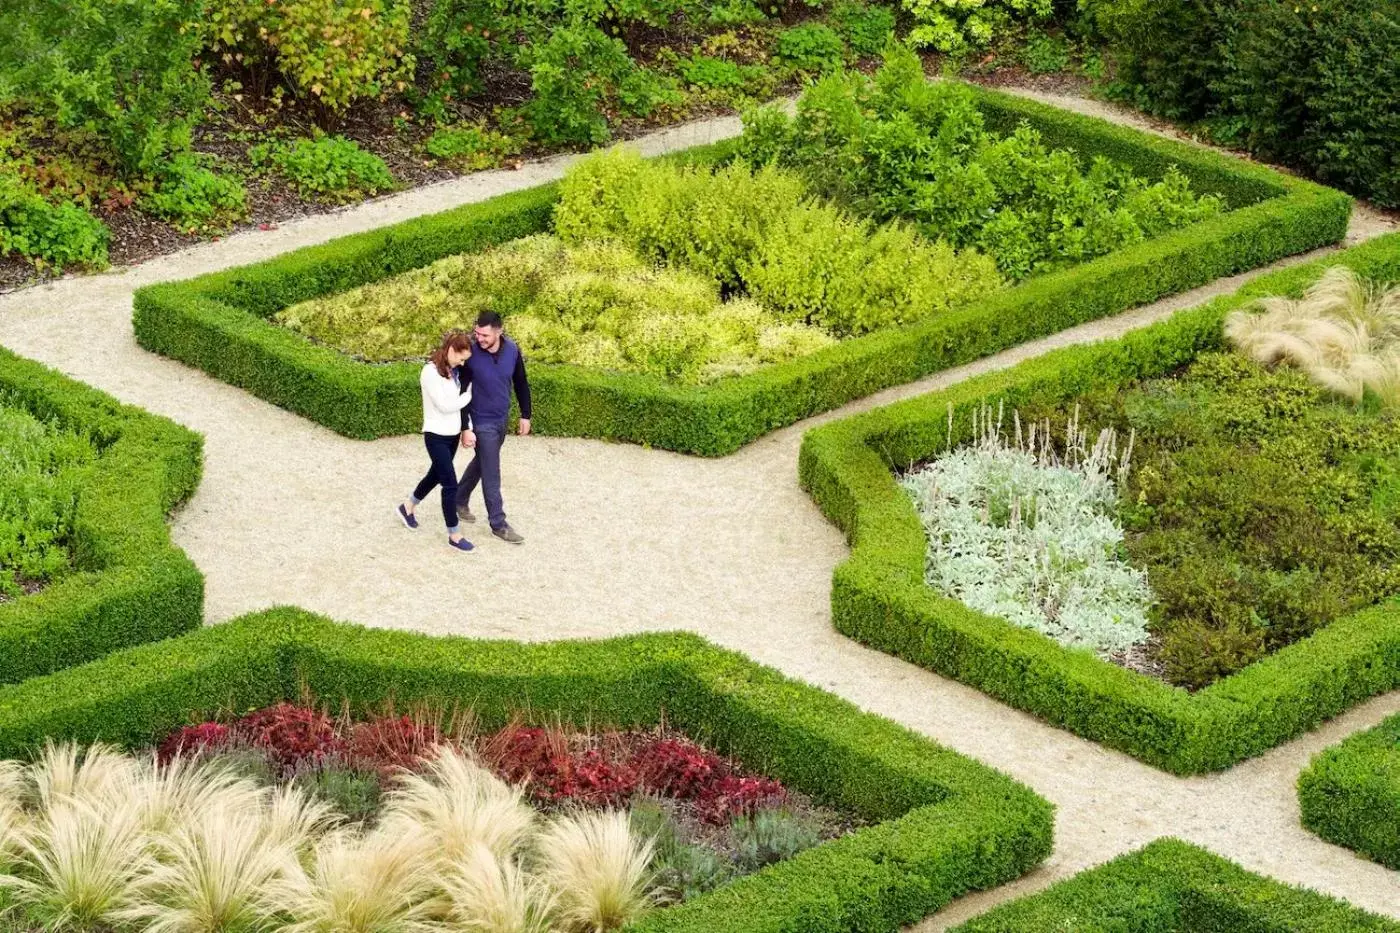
{"points": [[468, 439]]}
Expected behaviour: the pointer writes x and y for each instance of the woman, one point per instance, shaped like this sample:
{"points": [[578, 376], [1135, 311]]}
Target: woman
{"points": [[443, 401]]}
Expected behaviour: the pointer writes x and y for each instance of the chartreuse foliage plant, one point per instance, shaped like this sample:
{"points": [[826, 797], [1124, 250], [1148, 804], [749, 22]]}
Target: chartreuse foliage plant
{"points": [[596, 304], [87, 484], [1172, 885], [897, 147], [221, 323], [1350, 793], [941, 824], [1228, 550]]}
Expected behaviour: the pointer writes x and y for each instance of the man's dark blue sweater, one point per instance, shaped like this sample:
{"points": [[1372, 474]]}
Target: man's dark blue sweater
{"points": [[492, 376]]}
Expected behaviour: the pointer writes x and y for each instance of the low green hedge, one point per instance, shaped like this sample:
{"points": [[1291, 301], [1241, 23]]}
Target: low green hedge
{"points": [[1350, 794], [879, 596], [1170, 885], [130, 584], [219, 323], [943, 824]]}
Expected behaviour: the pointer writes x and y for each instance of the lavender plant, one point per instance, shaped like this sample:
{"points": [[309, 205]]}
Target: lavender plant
{"points": [[1025, 529]]}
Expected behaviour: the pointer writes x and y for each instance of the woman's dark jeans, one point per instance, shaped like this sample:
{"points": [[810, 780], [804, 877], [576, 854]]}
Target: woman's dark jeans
{"points": [[442, 473]]}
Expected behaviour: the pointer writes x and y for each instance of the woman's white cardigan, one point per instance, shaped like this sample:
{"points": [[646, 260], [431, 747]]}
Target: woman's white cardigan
{"points": [[443, 401]]}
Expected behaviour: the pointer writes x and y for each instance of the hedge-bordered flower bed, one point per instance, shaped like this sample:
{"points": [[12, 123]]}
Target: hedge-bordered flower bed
{"points": [[1171, 885], [945, 824], [130, 584], [1350, 794], [219, 322], [879, 596]]}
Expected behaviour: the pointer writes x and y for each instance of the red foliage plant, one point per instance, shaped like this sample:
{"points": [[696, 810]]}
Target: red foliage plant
{"points": [[389, 744], [191, 740], [291, 734]]}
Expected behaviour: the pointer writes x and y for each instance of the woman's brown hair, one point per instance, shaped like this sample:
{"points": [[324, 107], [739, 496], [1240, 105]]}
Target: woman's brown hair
{"points": [[452, 340]]}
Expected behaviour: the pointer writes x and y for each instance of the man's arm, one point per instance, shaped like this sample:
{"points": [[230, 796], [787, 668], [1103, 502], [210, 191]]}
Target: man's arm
{"points": [[522, 392], [464, 380]]}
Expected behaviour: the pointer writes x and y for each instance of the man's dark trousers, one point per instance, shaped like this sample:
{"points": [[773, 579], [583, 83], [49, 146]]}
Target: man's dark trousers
{"points": [[485, 469]]}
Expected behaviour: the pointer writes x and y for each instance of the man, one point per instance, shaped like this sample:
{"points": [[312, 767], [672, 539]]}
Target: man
{"points": [[495, 367]]}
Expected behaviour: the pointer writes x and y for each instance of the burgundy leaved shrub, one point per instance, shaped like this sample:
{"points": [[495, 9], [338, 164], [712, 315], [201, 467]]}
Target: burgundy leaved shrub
{"points": [[291, 734], [191, 740]]}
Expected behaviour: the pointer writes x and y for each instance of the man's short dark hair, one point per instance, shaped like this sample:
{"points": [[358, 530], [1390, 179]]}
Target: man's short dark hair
{"points": [[489, 319]]}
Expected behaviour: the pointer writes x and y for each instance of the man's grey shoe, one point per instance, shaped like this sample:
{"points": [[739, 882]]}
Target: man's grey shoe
{"points": [[464, 513], [507, 534]]}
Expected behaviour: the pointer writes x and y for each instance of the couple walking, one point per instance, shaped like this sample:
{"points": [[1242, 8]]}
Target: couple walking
{"points": [[466, 385]]}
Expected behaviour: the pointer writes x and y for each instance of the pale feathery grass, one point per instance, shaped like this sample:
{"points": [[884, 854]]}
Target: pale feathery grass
{"points": [[485, 894], [186, 786], [597, 869], [297, 819], [458, 804], [363, 884], [66, 771], [82, 862], [1344, 333], [217, 869], [12, 819]]}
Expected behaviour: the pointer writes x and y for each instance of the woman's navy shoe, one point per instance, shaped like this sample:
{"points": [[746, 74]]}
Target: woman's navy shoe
{"points": [[461, 545], [408, 520]]}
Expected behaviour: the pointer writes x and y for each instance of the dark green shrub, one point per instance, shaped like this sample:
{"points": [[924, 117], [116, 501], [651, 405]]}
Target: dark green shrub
{"points": [[1044, 53], [866, 29], [122, 70], [1313, 85], [812, 48], [193, 197], [50, 235], [1350, 793], [575, 75], [1171, 885], [331, 168], [450, 47]]}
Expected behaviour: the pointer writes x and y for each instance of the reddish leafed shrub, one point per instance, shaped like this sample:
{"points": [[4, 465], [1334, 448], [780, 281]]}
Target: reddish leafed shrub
{"points": [[291, 734], [677, 768], [730, 796], [193, 739], [522, 754], [390, 743], [588, 778]]}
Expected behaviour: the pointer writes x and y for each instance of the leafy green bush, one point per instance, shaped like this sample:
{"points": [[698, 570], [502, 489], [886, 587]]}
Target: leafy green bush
{"points": [[718, 74], [896, 146], [959, 25], [122, 70], [449, 49], [1171, 885], [1044, 53], [50, 235], [193, 197], [325, 51], [866, 29], [810, 48], [40, 478], [1311, 85], [595, 305], [756, 231], [470, 147], [329, 167], [1350, 793]]}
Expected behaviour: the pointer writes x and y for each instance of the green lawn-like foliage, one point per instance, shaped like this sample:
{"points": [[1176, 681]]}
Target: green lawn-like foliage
{"points": [[943, 824], [595, 304], [40, 480], [896, 146], [331, 168], [1350, 793], [1171, 885], [879, 596]]}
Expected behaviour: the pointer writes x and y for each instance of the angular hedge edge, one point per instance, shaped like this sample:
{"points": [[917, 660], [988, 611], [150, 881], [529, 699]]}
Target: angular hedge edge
{"points": [[1350, 794], [1170, 885], [218, 322], [944, 824], [130, 585], [879, 596]]}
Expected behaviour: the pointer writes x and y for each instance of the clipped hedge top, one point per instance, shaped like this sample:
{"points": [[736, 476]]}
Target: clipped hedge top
{"points": [[1171, 885], [1350, 793], [950, 824], [146, 465], [219, 321], [848, 467]]}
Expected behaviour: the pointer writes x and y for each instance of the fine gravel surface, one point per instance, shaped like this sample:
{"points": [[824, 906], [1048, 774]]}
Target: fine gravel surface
{"points": [[622, 539]]}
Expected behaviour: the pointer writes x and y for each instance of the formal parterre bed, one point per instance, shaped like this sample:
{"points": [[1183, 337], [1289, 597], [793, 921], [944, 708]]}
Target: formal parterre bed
{"points": [[937, 824], [1229, 458], [86, 562], [1171, 885], [1133, 233], [1350, 793]]}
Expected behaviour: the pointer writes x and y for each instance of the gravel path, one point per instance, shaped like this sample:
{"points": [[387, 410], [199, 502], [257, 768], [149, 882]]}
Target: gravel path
{"points": [[623, 539]]}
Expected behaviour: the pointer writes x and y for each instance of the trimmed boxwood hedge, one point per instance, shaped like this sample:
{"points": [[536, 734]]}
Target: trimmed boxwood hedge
{"points": [[130, 584], [943, 824], [1170, 885], [1350, 794], [219, 322], [879, 596]]}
